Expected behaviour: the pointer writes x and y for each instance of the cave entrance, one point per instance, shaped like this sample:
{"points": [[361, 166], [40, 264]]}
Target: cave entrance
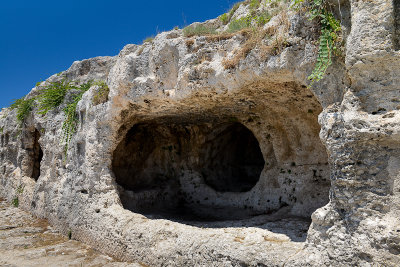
{"points": [[37, 156], [177, 170], [232, 159], [396, 15]]}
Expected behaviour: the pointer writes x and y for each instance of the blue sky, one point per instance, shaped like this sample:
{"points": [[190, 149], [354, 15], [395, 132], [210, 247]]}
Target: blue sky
{"points": [[39, 38]]}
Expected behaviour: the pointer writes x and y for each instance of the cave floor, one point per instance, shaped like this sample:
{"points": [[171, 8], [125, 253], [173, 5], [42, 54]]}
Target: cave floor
{"points": [[28, 241], [294, 228]]}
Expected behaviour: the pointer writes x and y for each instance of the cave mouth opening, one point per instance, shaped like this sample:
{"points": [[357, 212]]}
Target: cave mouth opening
{"points": [[37, 156], [233, 160], [177, 170], [396, 15]]}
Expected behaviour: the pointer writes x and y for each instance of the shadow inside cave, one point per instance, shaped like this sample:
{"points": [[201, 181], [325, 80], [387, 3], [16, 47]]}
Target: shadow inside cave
{"points": [[209, 175]]}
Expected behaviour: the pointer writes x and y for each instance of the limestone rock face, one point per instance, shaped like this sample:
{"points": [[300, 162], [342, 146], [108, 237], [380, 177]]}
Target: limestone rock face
{"points": [[187, 163]]}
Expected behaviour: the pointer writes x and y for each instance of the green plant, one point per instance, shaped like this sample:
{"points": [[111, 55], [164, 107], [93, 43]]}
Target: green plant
{"points": [[16, 103], [15, 202], [329, 38], [101, 93], [52, 95], [262, 19], [71, 121], [19, 191], [69, 234], [224, 18], [38, 84], [239, 24], [250, 21], [199, 29], [23, 107]]}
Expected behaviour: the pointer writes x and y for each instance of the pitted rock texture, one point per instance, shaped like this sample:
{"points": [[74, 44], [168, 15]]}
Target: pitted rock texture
{"points": [[191, 164]]}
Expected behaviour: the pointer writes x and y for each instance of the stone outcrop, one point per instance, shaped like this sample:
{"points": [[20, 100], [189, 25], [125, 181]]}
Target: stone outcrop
{"points": [[188, 163]]}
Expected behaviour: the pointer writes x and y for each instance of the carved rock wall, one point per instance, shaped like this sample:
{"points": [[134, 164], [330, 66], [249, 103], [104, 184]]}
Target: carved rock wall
{"points": [[249, 154]]}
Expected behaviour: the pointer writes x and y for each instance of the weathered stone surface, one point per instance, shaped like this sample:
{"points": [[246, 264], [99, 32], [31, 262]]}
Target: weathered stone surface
{"points": [[155, 174], [28, 241]]}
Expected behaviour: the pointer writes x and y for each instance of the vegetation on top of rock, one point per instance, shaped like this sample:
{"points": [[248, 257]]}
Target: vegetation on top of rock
{"points": [[53, 95], [270, 41], [329, 40], [250, 22], [199, 29], [254, 4], [24, 108], [239, 24]]}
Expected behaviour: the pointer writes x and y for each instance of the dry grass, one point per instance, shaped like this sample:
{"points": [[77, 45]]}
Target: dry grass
{"points": [[255, 38], [215, 37], [189, 43], [284, 20], [275, 48], [278, 35], [276, 45]]}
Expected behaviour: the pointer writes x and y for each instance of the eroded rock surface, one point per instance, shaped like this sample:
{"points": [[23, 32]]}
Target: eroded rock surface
{"points": [[27, 241], [188, 163]]}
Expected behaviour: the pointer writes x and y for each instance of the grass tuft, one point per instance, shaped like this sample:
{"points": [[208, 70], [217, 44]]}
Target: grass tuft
{"points": [[200, 29], [224, 18], [15, 202], [255, 37]]}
